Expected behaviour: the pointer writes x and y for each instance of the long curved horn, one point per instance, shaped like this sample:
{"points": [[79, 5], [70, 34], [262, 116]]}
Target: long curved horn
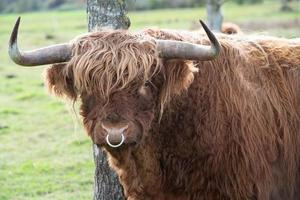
{"points": [[171, 49], [47, 55]]}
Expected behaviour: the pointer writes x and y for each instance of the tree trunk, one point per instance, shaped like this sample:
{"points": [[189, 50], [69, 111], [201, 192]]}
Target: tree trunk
{"points": [[285, 6], [106, 186], [214, 14], [106, 13]]}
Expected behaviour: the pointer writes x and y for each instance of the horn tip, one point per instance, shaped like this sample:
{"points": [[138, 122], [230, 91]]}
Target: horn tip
{"points": [[203, 25], [211, 37], [13, 47], [14, 34]]}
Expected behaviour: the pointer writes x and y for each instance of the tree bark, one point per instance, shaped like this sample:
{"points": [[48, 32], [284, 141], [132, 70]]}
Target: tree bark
{"points": [[106, 185], [214, 14], [107, 13], [112, 14]]}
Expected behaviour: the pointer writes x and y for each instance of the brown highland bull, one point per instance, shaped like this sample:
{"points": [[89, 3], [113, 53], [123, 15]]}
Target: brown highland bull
{"points": [[181, 119]]}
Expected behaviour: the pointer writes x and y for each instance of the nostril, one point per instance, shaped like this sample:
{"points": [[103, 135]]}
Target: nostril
{"points": [[123, 129]]}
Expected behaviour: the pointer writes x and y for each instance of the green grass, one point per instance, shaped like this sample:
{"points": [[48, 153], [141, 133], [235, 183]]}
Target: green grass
{"points": [[44, 153]]}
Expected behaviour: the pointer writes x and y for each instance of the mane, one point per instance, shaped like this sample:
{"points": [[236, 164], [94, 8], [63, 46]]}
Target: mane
{"points": [[108, 61]]}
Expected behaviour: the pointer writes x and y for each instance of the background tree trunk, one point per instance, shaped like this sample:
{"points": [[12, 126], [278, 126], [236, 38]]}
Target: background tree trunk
{"points": [[285, 6], [214, 14], [106, 13]]}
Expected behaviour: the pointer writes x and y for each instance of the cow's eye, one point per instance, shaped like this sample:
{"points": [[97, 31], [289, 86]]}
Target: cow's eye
{"points": [[147, 84], [150, 85], [145, 89]]}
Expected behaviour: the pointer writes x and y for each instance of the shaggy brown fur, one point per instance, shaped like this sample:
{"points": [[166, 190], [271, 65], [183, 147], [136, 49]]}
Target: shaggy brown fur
{"points": [[230, 128]]}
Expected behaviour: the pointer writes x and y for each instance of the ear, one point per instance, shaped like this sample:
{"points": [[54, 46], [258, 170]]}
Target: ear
{"points": [[59, 81], [179, 74]]}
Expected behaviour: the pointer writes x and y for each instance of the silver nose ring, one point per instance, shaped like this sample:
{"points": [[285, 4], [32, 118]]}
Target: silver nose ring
{"points": [[117, 145]]}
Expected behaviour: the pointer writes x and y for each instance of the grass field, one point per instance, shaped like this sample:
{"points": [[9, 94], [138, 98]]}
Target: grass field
{"points": [[44, 153]]}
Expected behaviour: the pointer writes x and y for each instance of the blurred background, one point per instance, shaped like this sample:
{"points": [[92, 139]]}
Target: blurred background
{"points": [[44, 153]]}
